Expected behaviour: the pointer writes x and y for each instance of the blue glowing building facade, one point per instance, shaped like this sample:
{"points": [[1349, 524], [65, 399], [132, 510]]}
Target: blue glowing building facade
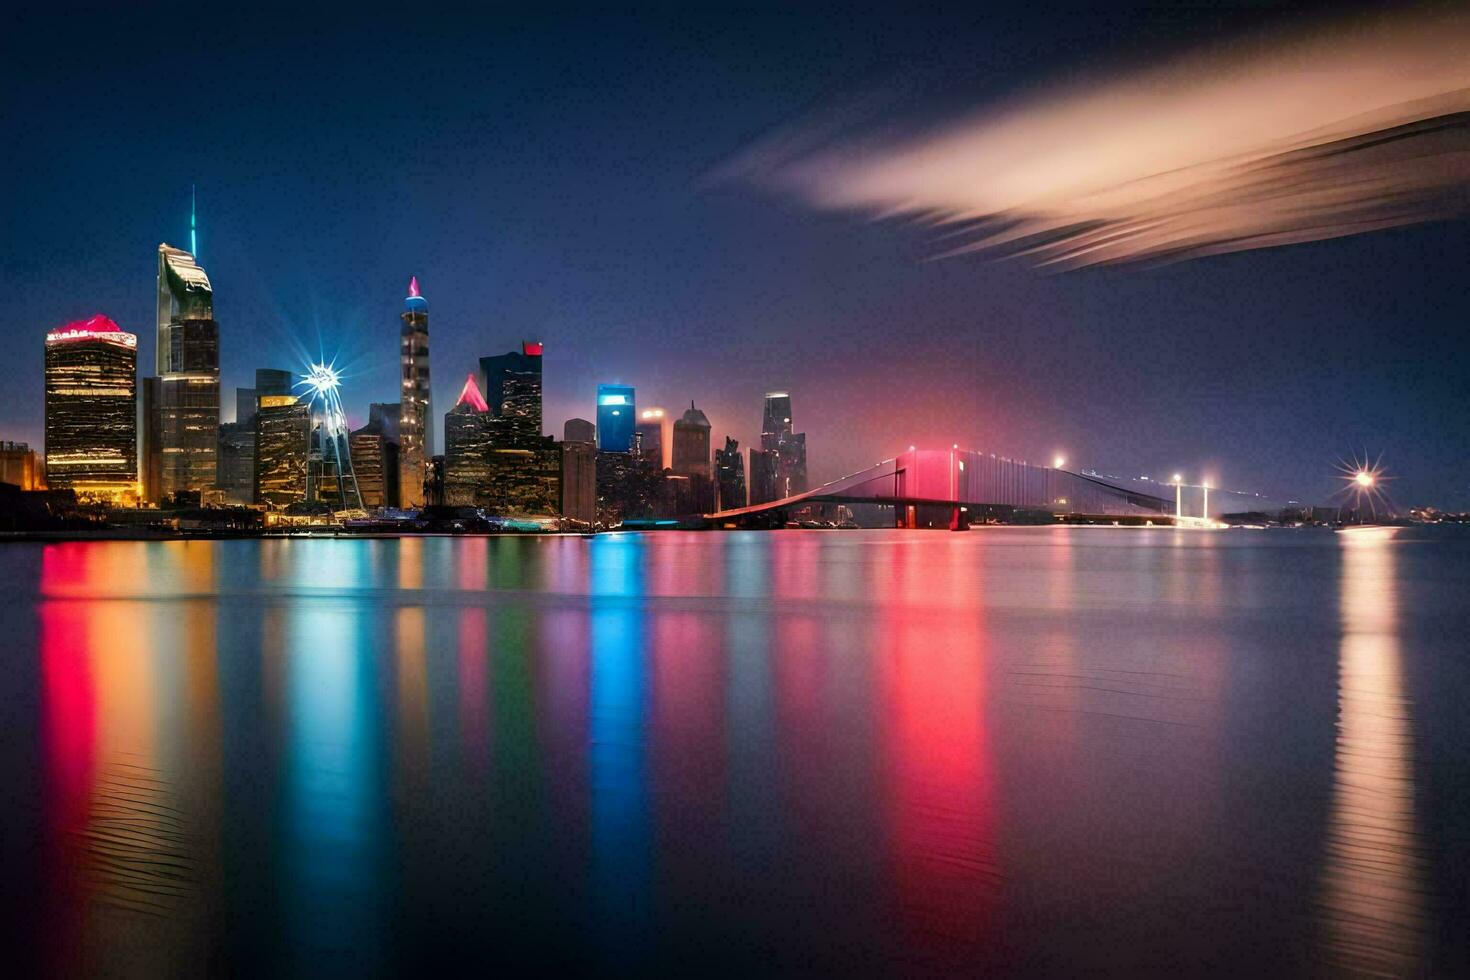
{"points": [[616, 418]]}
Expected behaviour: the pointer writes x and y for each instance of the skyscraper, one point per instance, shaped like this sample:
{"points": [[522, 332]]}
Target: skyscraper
{"points": [[374, 450], [764, 476], [692, 459], [513, 392], [780, 470], [578, 430], [651, 424], [282, 444], [729, 476], [691, 444], [579, 473], [91, 409], [183, 404], [616, 417], [466, 446], [415, 423]]}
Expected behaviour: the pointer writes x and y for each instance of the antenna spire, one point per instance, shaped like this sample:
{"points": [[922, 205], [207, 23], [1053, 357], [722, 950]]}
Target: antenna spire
{"points": [[193, 236]]}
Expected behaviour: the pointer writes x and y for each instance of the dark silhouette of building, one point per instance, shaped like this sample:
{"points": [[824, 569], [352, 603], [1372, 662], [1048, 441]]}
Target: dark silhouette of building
{"points": [[691, 444], [236, 461], [579, 480], [416, 421], [467, 445], [183, 402], [513, 391], [616, 418], [778, 468], [650, 435], [764, 476], [579, 430], [91, 409], [692, 461], [729, 476]]}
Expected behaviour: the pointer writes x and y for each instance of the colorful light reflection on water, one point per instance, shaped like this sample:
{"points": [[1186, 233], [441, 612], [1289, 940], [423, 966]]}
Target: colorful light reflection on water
{"points": [[1032, 751]]}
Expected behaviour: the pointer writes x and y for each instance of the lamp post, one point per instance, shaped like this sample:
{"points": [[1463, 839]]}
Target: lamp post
{"points": [[1178, 496], [1205, 511]]}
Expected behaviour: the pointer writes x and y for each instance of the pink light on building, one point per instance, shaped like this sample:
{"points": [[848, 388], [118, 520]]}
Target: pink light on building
{"points": [[471, 393], [413, 287], [96, 327]]}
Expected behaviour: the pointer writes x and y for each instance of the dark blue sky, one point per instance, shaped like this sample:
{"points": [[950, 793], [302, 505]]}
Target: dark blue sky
{"points": [[545, 177]]}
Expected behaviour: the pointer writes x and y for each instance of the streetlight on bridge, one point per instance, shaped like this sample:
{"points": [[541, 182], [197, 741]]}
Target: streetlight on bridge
{"points": [[1178, 496]]}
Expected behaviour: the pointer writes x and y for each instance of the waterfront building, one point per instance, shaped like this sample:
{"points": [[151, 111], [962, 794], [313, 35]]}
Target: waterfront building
{"points": [[616, 418], [691, 444], [467, 445], [374, 449], [579, 430], [788, 449], [282, 447], [92, 409], [416, 423], [791, 464], [20, 467], [764, 476], [182, 421], [236, 460], [650, 436], [729, 476], [512, 388], [579, 481], [522, 481]]}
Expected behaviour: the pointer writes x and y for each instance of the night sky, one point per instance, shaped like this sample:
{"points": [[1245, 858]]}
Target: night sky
{"points": [[549, 177]]}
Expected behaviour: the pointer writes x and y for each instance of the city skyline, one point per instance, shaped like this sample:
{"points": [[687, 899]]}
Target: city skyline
{"points": [[1260, 368]]}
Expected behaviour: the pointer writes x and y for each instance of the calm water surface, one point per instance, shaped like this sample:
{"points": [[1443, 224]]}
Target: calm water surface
{"points": [[1026, 751]]}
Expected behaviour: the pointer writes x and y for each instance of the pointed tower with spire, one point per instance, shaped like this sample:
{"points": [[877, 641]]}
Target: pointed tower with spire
{"points": [[467, 446], [415, 426]]}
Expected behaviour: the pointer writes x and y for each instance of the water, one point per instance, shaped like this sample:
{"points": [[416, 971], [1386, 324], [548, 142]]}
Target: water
{"points": [[1028, 751]]}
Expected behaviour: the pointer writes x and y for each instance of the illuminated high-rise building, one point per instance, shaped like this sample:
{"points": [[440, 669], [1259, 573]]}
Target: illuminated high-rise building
{"points": [[282, 448], [729, 476], [781, 469], [91, 409], [466, 446], [513, 392], [579, 480], [415, 422], [651, 442], [374, 450], [616, 418], [182, 404]]}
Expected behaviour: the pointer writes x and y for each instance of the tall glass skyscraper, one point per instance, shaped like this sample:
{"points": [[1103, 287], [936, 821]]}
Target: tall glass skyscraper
{"points": [[91, 409], [415, 422], [183, 403], [513, 392], [466, 446], [729, 476], [781, 469], [616, 418]]}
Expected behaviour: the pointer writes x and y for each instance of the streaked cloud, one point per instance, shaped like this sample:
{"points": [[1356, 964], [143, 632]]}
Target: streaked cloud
{"points": [[1357, 126]]}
